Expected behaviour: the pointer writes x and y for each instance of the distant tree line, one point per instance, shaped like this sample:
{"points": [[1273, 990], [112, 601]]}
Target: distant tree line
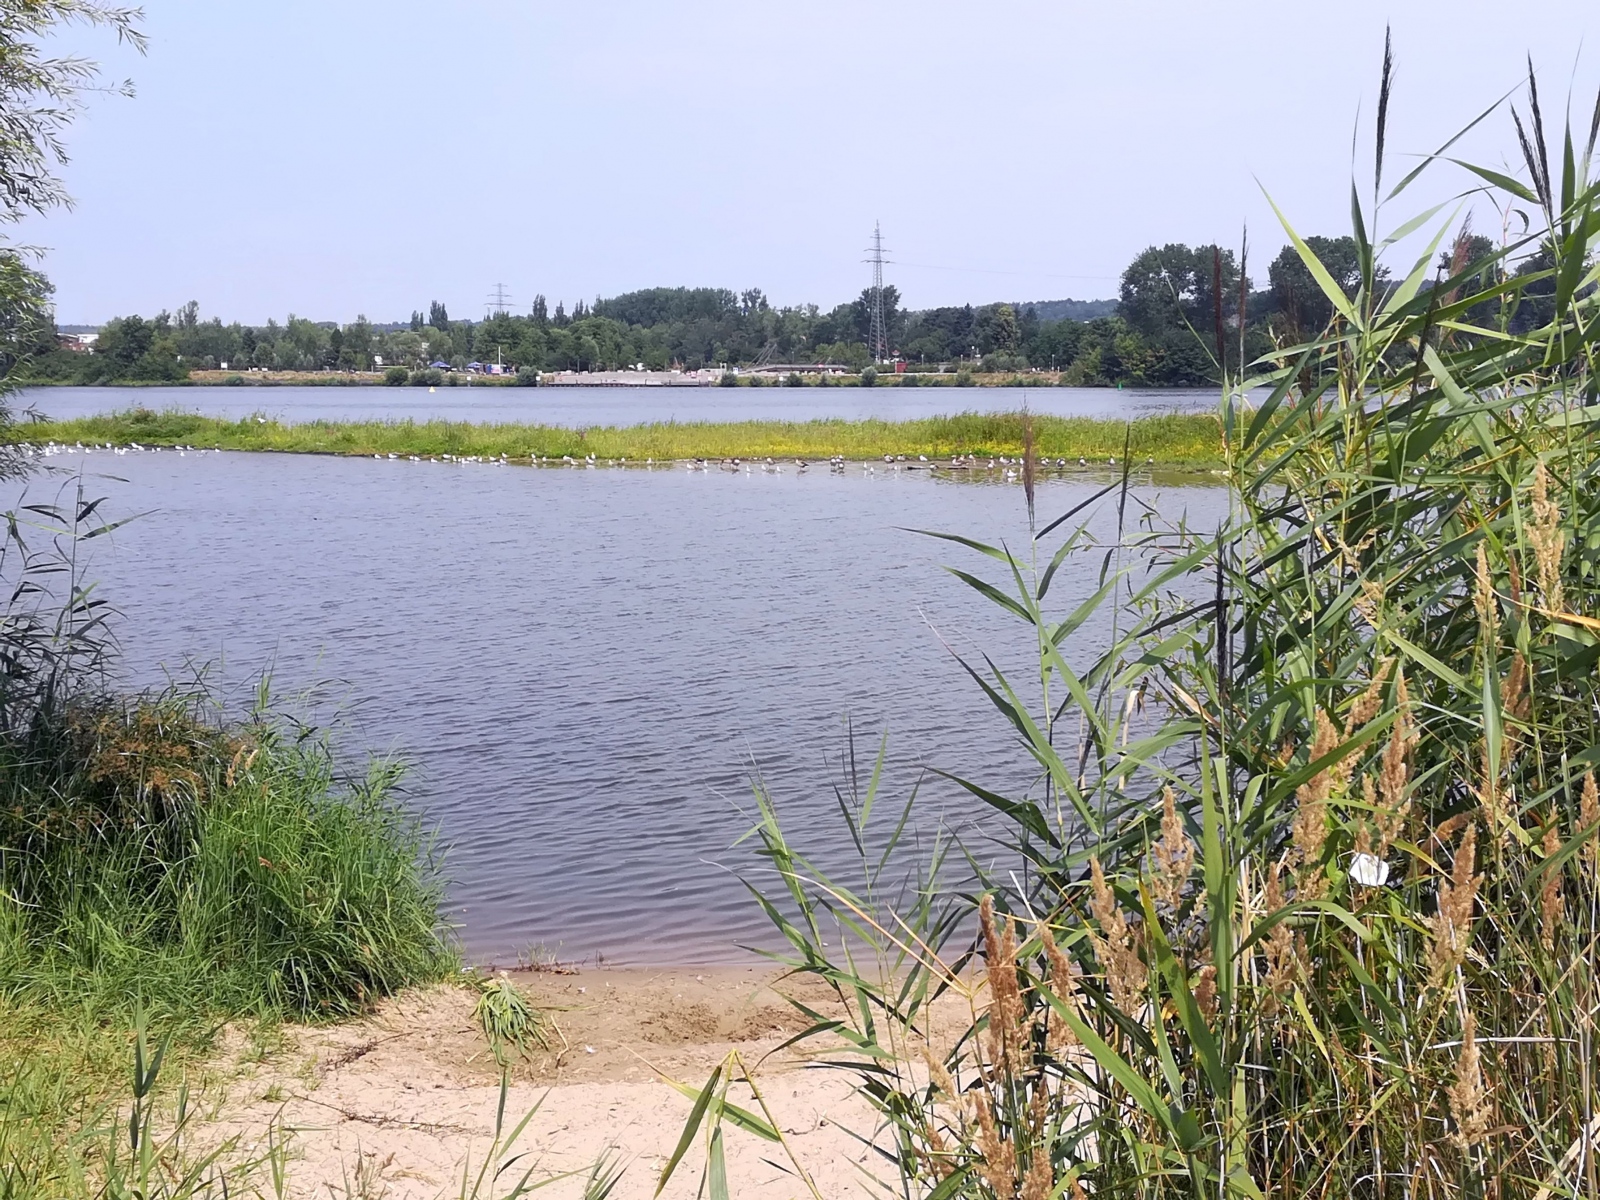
{"points": [[1160, 330]]}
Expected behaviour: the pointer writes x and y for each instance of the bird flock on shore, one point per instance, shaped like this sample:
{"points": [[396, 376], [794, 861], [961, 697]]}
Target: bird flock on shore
{"points": [[1007, 466]]}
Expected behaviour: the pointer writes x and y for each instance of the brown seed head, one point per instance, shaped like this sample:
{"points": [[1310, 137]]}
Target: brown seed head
{"points": [[1452, 924], [1546, 539], [1006, 1010], [1370, 701], [1487, 604], [1173, 856], [1115, 946], [1278, 946], [1588, 816], [1468, 1104], [1064, 983], [1552, 901], [998, 1158]]}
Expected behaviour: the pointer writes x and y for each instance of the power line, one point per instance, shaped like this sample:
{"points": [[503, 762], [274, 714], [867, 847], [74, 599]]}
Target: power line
{"points": [[878, 334], [995, 271], [499, 301]]}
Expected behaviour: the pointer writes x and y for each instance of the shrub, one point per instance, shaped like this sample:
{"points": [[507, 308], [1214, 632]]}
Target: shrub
{"points": [[427, 377], [729, 379], [963, 378], [794, 379], [396, 376], [909, 380], [869, 376], [527, 377]]}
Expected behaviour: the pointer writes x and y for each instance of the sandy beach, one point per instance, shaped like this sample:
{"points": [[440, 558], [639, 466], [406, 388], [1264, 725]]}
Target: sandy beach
{"points": [[394, 1105]]}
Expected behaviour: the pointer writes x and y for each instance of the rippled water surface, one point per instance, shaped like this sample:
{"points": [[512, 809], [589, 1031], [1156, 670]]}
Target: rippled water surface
{"points": [[585, 666], [577, 406]]}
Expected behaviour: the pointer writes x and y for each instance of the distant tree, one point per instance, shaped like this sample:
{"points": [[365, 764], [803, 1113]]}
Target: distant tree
{"points": [[561, 316], [437, 316], [1005, 330], [1300, 308], [189, 316], [122, 342], [416, 321], [541, 312], [1535, 306]]}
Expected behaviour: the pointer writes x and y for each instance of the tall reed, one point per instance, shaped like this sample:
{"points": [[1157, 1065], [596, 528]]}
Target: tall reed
{"points": [[1305, 900]]}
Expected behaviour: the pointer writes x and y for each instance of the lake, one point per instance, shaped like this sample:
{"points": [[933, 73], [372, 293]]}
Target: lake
{"points": [[586, 667], [573, 406]]}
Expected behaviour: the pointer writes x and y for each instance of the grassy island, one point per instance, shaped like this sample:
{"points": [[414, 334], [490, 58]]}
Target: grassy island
{"points": [[1170, 439]]}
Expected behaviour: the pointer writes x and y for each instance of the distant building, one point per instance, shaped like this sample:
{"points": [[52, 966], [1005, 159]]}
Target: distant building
{"points": [[78, 343]]}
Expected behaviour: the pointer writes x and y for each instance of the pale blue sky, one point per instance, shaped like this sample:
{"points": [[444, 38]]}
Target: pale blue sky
{"points": [[354, 156]]}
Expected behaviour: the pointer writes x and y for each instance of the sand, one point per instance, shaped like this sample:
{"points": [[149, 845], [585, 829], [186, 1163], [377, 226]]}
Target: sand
{"points": [[394, 1104]]}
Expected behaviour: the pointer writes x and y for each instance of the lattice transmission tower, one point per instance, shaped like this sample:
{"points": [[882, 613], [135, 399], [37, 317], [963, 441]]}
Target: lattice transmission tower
{"points": [[499, 301], [878, 331]]}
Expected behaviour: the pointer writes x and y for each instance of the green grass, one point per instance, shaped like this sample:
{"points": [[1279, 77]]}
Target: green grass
{"points": [[154, 860], [156, 866], [1171, 439]]}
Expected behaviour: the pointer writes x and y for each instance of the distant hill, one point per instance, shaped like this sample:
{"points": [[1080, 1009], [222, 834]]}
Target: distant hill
{"points": [[1063, 310]]}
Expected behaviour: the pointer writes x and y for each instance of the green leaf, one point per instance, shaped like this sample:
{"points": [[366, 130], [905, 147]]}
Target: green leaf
{"points": [[690, 1127]]}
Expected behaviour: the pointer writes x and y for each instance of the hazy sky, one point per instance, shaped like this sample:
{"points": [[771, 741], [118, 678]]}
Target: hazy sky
{"points": [[351, 156]]}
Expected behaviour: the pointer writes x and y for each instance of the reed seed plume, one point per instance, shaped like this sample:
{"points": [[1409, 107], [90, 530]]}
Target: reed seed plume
{"points": [[1384, 84], [1205, 990], [1468, 1102], [1540, 144], [1552, 900], [997, 1157], [1371, 700], [1547, 539], [1451, 924], [1007, 1013], [1040, 1180], [1115, 945], [1064, 982], [1278, 945], [1173, 855], [1533, 163], [1588, 818], [1483, 599], [1310, 831]]}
